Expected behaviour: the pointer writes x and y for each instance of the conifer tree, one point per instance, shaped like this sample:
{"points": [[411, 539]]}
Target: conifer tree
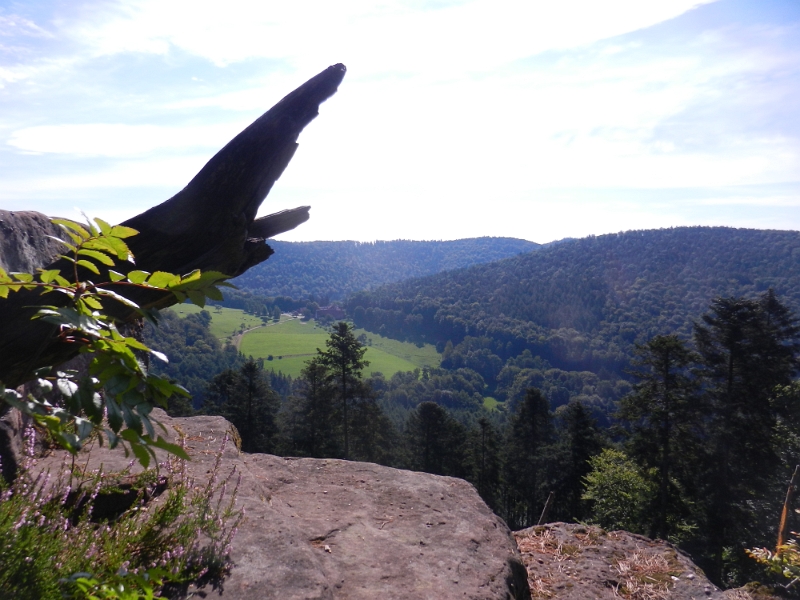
{"points": [[344, 361], [664, 416], [311, 421], [245, 398], [579, 439], [530, 433], [748, 348], [484, 447], [435, 441]]}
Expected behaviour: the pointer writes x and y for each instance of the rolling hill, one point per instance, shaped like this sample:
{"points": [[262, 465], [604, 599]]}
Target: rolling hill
{"points": [[332, 270], [583, 304]]}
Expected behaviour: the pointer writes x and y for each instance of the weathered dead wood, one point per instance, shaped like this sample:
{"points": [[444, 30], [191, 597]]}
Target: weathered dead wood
{"points": [[788, 506], [209, 225]]}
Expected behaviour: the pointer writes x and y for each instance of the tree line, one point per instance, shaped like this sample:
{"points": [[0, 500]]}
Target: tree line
{"points": [[699, 451]]}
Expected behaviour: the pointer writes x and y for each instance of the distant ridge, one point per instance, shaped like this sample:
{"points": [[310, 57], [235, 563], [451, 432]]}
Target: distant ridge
{"points": [[582, 304], [332, 270]]}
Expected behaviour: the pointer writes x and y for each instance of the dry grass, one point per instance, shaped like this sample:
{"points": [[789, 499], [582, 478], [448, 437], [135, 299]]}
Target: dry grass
{"points": [[542, 541], [738, 595], [644, 576]]}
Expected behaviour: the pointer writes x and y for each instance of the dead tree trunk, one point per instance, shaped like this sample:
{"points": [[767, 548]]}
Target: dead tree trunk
{"points": [[210, 225]]}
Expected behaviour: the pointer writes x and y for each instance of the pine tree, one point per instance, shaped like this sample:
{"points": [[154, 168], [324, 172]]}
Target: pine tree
{"points": [[530, 433], [344, 361], [579, 439], [664, 417], [374, 438], [245, 398], [484, 447], [435, 441], [311, 419], [748, 349]]}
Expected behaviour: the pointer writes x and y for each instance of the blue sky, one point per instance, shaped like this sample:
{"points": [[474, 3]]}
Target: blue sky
{"points": [[537, 120]]}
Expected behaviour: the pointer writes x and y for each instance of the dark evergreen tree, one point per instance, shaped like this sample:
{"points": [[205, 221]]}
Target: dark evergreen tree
{"points": [[748, 348], [374, 438], [664, 417], [311, 423], [579, 439], [530, 433], [245, 398], [484, 450], [344, 361], [435, 441]]}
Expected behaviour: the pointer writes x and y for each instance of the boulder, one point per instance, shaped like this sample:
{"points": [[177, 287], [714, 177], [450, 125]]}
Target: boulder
{"points": [[25, 241], [575, 562], [321, 528]]}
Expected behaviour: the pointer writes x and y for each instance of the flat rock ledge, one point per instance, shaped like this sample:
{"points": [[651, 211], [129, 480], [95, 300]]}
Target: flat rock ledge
{"points": [[327, 529], [567, 561]]}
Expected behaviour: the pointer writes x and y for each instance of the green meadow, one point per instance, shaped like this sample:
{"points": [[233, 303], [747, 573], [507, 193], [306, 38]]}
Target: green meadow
{"points": [[225, 322], [292, 342]]}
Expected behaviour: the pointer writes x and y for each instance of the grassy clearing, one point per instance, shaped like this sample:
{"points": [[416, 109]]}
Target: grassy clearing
{"points": [[225, 322], [425, 356], [295, 342]]}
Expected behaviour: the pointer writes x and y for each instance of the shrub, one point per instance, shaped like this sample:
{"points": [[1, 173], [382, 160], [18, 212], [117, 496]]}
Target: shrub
{"points": [[54, 547]]}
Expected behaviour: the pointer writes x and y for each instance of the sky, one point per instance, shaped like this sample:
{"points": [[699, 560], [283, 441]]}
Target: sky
{"points": [[532, 119]]}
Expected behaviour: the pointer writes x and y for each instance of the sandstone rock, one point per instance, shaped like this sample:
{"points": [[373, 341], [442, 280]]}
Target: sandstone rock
{"points": [[566, 561], [332, 529], [12, 425], [24, 242]]}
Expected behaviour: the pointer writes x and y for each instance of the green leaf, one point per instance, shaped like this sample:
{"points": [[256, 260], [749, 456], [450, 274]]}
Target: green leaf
{"points": [[197, 298], [163, 280], [141, 453], [100, 257], [67, 225], [114, 415], [121, 231], [193, 276], [89, 265], [89, 303], [117, 297], [105, 228], [171, 448], [48, 275], [134, 343], [214, 293], [84, 427], [138, 276], [115, 276], [24, 277]]}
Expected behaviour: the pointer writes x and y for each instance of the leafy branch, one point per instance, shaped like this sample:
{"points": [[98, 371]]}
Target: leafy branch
{"points": [[119, 388]]}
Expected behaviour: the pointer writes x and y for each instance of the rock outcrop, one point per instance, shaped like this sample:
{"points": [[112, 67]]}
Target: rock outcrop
{"points": [[576, 562], [25, 241], [332, 529]]}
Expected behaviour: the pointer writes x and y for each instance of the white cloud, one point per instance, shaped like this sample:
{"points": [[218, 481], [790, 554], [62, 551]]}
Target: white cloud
{"points": [[443, 112], [119, 140], [384, 37], [15, 25]]}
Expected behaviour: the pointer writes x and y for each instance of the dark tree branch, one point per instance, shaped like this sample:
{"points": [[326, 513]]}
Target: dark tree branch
{"points": [[210, 225]]}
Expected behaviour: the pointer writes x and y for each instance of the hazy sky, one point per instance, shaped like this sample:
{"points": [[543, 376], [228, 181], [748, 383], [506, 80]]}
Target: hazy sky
{"points": [[532, 119]]}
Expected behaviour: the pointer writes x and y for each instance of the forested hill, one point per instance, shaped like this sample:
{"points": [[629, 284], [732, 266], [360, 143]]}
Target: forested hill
{"points": [[582, 304], [334, 269]]}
